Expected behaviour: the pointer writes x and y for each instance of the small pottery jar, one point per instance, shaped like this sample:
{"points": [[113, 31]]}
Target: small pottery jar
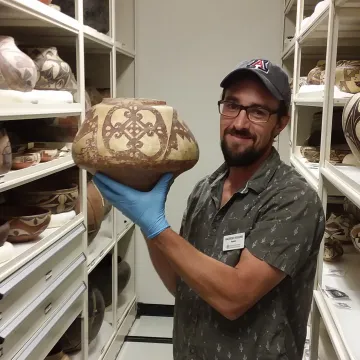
{"points": [[351, 124], [17, 70], [134, 141], [5, 152], [53, 72]]}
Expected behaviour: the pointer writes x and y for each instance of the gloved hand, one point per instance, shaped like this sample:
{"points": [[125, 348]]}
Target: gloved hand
{"points": [[145, 209]]}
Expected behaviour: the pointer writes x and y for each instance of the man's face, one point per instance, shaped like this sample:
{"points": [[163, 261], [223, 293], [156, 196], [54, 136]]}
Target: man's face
{"points": [[242, 141]]}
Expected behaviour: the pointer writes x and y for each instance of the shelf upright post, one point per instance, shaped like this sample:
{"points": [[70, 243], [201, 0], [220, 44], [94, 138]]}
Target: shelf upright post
{"points": [[326, 127], [296, 76], [80, 65], [113, 90]]}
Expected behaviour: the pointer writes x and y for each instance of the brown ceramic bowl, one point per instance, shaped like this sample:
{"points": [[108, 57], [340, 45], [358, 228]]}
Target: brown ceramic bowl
{"points": [[46, 154], [26, 222], [25, 160], [56, 197], [4, 231]]}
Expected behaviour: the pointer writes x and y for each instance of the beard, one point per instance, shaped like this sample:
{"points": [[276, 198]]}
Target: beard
{"points": [[244, 158]]}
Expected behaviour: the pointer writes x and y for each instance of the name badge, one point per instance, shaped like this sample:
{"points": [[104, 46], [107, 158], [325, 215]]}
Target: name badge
{"points": [[234, 242]]}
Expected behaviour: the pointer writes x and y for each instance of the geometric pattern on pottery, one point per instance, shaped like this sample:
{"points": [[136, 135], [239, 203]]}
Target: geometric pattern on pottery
{"points": [[53, 72], [55, 202], [126, 131], [351, 124], [347, 76], [17, 70]]}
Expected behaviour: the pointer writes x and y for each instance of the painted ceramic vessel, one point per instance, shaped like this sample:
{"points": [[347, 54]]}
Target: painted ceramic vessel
{"points": [[53, 72], [5, 152], [134, 141], [57, 198], [17, 70], [26, 223], [316, 75], [351, 124], [347, 75], [95, 210]]}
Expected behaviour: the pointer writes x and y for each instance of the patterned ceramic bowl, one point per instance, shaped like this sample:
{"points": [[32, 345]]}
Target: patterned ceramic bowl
{"points": [[26, 223]]}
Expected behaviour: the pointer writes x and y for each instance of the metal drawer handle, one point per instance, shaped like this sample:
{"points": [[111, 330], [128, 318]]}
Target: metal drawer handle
{"points": [[48, 308], [48, 275], [25, 271], [50, 324], [33, 305]]}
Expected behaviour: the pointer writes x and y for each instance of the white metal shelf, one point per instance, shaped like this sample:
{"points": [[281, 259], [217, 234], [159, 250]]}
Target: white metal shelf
{"points": [[16, 178], [310, 173], [97, 40], [26, 251], [317, 101], [345, 178], [14, 12], [122, 49], [37, 111], [346, 321], [335, 338]]}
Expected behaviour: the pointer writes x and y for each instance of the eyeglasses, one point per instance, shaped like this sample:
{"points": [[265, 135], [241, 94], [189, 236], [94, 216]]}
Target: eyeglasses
{"points": [[255, 114]]}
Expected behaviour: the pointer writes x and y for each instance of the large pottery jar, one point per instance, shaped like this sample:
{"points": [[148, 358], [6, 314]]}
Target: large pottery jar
{"points": [[53, 72], [17, 70], [351, 124], [134, 141], [347, 76]]}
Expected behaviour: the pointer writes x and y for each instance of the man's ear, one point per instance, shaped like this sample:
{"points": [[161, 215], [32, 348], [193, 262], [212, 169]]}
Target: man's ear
{"points": [[282, 123]]}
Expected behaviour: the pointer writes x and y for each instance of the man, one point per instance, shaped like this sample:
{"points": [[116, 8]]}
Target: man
{"points": [[242, 268]]}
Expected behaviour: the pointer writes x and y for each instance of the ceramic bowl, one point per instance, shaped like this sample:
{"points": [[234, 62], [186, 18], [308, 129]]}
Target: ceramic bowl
{"points": [[46, 154], [57, 197], [26, 222], [25, 160]]}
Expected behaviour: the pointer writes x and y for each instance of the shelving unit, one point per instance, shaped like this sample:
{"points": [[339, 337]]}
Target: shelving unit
{"points": [[331, 34], [33, 294]]}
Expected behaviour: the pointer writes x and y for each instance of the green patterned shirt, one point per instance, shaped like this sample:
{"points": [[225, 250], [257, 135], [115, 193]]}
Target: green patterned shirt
{"points": [[283, 222]]}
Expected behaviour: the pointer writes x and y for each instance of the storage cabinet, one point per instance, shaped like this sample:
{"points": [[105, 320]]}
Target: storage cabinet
{"points": [[65, 289], [323, 61]]}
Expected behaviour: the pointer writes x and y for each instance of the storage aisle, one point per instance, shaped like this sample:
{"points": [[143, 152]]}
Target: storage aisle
{"points": [[149, 339]]}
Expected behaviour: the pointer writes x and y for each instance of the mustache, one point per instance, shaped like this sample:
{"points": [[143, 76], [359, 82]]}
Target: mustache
{"points": [[240, 132]]}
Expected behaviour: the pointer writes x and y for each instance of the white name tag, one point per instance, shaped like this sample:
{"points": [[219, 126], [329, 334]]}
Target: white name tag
{"points": [[234, 242]]}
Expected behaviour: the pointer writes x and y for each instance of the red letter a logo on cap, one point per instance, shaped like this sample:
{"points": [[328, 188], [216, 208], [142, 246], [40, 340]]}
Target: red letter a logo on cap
{"points": [[260, 64]]}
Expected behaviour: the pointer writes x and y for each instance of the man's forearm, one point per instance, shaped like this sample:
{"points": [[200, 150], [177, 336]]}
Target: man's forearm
{"points": [[213, 280], [162, 267]]}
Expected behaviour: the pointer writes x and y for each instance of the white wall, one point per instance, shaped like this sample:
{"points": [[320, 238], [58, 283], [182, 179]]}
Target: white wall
{"points": [[184, 49]]}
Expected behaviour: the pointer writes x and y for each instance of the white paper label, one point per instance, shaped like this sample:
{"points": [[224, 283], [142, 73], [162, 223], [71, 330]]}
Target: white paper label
{"points": [[234, 242]]}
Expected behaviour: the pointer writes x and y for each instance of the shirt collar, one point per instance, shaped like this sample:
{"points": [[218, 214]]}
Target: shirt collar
{"points": [[260, 179]]}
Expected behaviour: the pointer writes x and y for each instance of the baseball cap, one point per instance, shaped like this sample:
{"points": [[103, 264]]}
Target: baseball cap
{"points": [[272, 76]]}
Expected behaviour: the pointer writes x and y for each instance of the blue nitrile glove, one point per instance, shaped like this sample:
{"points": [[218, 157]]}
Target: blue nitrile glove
{"points": [[145, 209]]}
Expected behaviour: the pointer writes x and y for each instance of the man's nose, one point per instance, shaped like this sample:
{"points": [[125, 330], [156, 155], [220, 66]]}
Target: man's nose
{"points": [[241, 121]]}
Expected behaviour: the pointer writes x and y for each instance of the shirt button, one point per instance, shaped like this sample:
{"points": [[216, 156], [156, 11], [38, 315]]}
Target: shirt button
{"points": [[192, 350]]}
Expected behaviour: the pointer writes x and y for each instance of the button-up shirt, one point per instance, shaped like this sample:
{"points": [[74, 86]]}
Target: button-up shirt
{"points": [[282, 219]]}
